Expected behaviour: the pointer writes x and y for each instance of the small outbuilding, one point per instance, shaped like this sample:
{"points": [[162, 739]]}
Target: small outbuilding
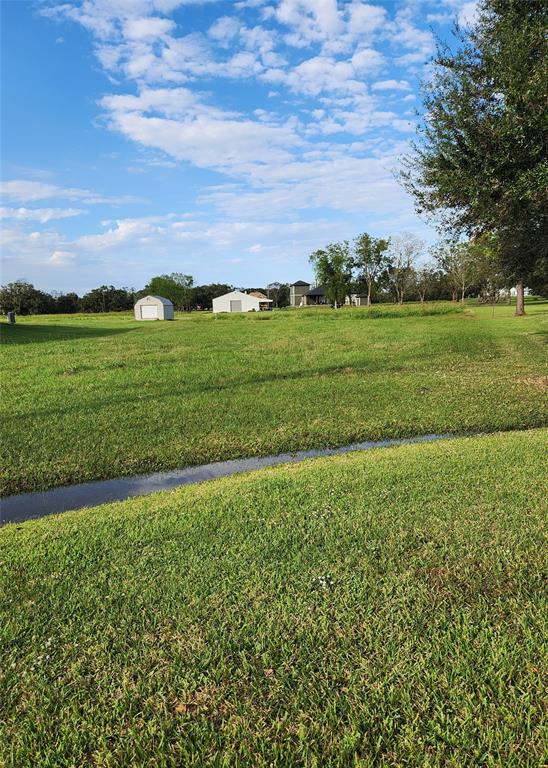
{"points": [[356, 300], [154, 308], [238, 301]]}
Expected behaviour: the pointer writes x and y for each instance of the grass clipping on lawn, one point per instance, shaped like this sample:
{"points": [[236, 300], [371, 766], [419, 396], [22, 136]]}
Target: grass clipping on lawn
{"points": [[380, 608]]}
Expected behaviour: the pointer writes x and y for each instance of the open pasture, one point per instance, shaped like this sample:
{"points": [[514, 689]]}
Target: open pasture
{"points": [[93, 397]]}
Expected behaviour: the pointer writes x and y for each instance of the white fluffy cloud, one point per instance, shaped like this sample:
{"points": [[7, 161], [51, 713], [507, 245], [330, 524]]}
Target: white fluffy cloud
{"points": [[364, 18], [61, 259], [22, 190], [158, 237], [417, 43], [21, 247], [105, 18], [189, 130], [468, 13], [147, 28], [123, 231], [309, 20], [317, 75], [391, 85], [43, 215], [332, 181], [26, 191]]}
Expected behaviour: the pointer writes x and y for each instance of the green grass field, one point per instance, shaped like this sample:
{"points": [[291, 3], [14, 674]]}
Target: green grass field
{"points": [[376, 609], [92, 397]]}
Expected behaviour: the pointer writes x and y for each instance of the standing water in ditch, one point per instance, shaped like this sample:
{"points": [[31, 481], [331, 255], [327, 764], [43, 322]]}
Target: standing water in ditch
{"points": [[26, 506]]}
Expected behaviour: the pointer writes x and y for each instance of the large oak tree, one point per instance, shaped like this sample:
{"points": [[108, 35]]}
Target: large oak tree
{"points": [[480, 163]]}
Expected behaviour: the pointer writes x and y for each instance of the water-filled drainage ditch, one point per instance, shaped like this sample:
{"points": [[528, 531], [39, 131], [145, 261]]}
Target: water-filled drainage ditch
{"points": [[26, 506]]}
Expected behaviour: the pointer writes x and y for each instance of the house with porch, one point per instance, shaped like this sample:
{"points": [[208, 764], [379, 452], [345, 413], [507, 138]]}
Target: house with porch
{"points": [[303, 294]]}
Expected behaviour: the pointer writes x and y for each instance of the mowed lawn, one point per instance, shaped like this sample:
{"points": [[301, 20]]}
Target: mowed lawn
{"points": [[91, 397], [375, 609]]}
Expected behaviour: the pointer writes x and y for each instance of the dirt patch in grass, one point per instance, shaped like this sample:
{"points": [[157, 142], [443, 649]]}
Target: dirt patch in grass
{"points": [[538, 382], [207, 702]]}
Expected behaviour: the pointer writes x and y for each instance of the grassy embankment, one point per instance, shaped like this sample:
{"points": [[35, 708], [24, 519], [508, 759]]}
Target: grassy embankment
{"points": [[383, 608], [91, 397]]}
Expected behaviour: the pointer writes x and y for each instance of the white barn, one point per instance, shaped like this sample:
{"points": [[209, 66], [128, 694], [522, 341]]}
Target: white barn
{"points": [[153, 308], [238, 301]]}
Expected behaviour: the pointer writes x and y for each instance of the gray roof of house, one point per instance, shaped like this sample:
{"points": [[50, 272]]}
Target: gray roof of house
{"points": [[317, 291], [299, 282]]}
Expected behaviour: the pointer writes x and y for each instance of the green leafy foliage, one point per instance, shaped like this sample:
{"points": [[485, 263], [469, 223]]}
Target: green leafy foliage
{"points": [[333, 267], [203, 295], [403, 252], [24, 299], [107, 298], [279, 293], [175, 287], [370, 259], [480, 160]]}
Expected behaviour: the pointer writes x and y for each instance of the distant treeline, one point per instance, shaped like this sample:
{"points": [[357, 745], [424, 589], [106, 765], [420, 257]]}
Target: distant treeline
{"points": [[23, 298], [431, 283]]}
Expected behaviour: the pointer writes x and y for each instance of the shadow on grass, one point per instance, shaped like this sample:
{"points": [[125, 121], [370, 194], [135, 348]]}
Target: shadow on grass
{"points": [[129, 394], [30, 333]]}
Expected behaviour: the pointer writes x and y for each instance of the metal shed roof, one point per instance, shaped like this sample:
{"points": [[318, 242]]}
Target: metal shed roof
{"points": [[161, 299], [243, 293]]}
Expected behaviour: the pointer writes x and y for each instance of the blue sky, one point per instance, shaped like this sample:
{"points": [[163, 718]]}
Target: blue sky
{"points": [[227, 140]]}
